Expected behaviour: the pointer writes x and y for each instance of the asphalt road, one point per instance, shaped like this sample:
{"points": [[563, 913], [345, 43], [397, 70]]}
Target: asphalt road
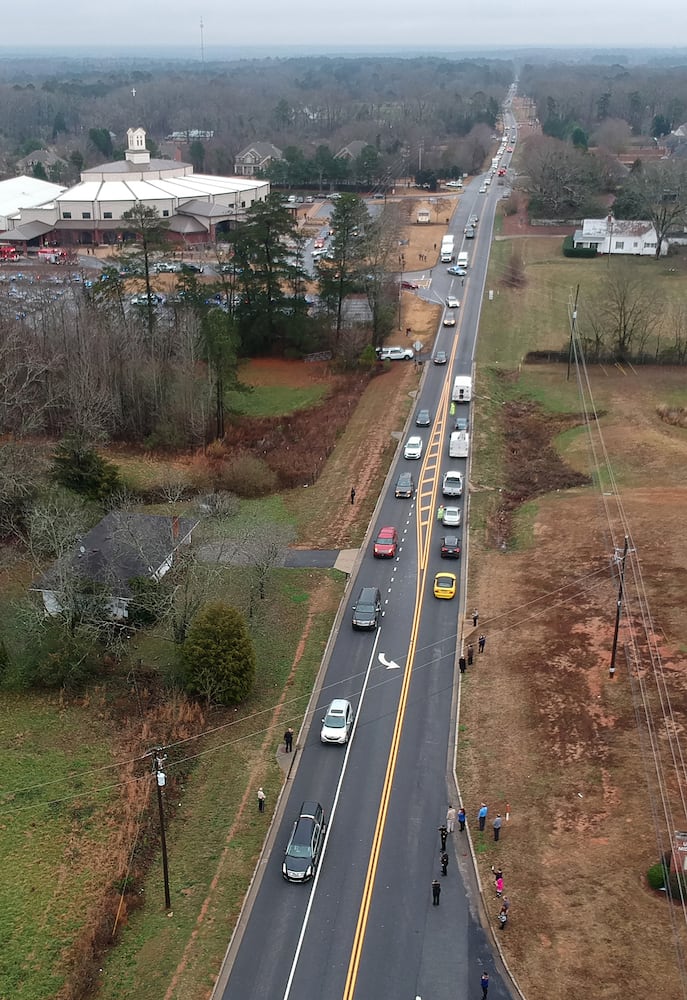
{"points": [[365, 927]]}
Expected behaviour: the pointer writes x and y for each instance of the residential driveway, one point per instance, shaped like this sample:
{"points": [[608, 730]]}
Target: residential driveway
{"points": [[230, 554]]}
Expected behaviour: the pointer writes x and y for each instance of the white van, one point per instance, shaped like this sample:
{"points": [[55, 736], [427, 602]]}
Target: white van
{"points": [[458, 445], [462, 389], [462, 259]]}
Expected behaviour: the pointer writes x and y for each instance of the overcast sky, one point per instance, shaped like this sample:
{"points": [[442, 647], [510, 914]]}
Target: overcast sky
{"points": [[603, 24]]}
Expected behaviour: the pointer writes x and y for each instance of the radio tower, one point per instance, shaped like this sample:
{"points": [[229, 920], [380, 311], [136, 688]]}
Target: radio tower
{"points": [[202, 43]]}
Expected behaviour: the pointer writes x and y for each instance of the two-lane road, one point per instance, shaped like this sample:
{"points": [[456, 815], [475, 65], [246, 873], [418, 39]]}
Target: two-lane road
{"points": [[365, 927]]}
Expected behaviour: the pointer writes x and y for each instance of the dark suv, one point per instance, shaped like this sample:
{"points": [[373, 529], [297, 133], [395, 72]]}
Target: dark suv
{"points": [[367, 608], [305, 844], [405, 485]]}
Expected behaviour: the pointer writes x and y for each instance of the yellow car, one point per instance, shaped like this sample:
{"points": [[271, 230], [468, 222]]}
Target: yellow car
{"points": [[445, 585]]}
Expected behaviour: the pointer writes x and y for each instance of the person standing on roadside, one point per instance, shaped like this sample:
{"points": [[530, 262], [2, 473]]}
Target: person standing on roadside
{"points": [[461, 819], [471, 654], [450, 819], [444, 863], [436, 892], [443, 832], [481, 643], [353, 494], [484, 983], [475, 618], [261, 800], [288, 740], [497, 826], [462, 664], [482, 815]]}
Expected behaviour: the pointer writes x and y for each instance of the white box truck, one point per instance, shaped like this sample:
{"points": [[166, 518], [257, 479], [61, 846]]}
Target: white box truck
{"points": [[458, 445], [447, 249], [462, 259], [462, 389]]}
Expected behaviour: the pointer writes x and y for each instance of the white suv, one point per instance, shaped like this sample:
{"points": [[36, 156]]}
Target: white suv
{"points": [[395, 353]]}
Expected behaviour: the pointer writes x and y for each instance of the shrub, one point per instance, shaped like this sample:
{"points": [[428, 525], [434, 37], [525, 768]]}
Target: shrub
{"points": [[221, 504], [514, 272], [82, 470], [245, 475], [569, 249], [656, 876], [219, 655], [509, 205]]}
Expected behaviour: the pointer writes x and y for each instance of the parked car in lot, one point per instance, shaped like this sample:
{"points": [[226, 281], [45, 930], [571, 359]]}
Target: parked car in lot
{"points": [[305, 844], [395, 353], [413, 447], [423, 419], [367, 608], [142, 300], [336, 725], [452, 302], [167, 267], [440, 358], [445, 585], [409, 284], [451, 517], [188, 267], [386, 543], [449, 319], [405, 486], [450, 547]]}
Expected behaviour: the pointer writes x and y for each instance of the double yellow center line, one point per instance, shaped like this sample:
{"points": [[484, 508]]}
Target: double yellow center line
{"points": [[426, 499]]}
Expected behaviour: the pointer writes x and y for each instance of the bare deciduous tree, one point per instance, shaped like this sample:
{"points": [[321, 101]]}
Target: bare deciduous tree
{"points": [[623, 314]]}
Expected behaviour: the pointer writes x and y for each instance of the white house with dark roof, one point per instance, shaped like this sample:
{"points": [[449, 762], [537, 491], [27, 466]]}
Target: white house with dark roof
{"points": [[618, 236], [121, 548]]}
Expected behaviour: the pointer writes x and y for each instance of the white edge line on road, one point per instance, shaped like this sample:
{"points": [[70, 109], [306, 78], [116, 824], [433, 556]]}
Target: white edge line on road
{"points": [[316, 879]]}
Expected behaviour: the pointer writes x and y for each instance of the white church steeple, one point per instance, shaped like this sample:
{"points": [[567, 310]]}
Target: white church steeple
{"points": [[136, 150]]}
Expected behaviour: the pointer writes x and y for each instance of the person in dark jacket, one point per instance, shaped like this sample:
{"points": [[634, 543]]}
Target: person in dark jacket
{"points": [[436, 892], [444, 863]]}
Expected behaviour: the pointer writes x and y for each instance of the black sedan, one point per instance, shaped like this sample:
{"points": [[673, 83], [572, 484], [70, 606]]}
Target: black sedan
{"points": [[450, 547]]}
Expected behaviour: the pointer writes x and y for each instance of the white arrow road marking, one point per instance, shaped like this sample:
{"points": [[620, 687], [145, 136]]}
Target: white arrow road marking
{"points": [[389, 664]]}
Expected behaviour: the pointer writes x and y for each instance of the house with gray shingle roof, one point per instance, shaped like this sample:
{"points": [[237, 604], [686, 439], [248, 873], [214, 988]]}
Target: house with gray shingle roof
{"points": [[121, 548], [255, 157]]}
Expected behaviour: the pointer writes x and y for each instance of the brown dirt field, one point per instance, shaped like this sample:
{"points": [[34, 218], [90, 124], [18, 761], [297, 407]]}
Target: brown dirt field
{"points": [[545, 730], [276, 371]]}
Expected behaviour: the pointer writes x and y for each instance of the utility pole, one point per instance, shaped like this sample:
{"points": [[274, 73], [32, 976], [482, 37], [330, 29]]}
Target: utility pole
{"points": [[159, 762], [202, 43], [573, 331], [619, 606]]}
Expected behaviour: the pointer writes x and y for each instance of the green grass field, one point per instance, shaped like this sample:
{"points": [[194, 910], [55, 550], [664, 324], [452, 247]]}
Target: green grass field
{"points": [[275, 400]]}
